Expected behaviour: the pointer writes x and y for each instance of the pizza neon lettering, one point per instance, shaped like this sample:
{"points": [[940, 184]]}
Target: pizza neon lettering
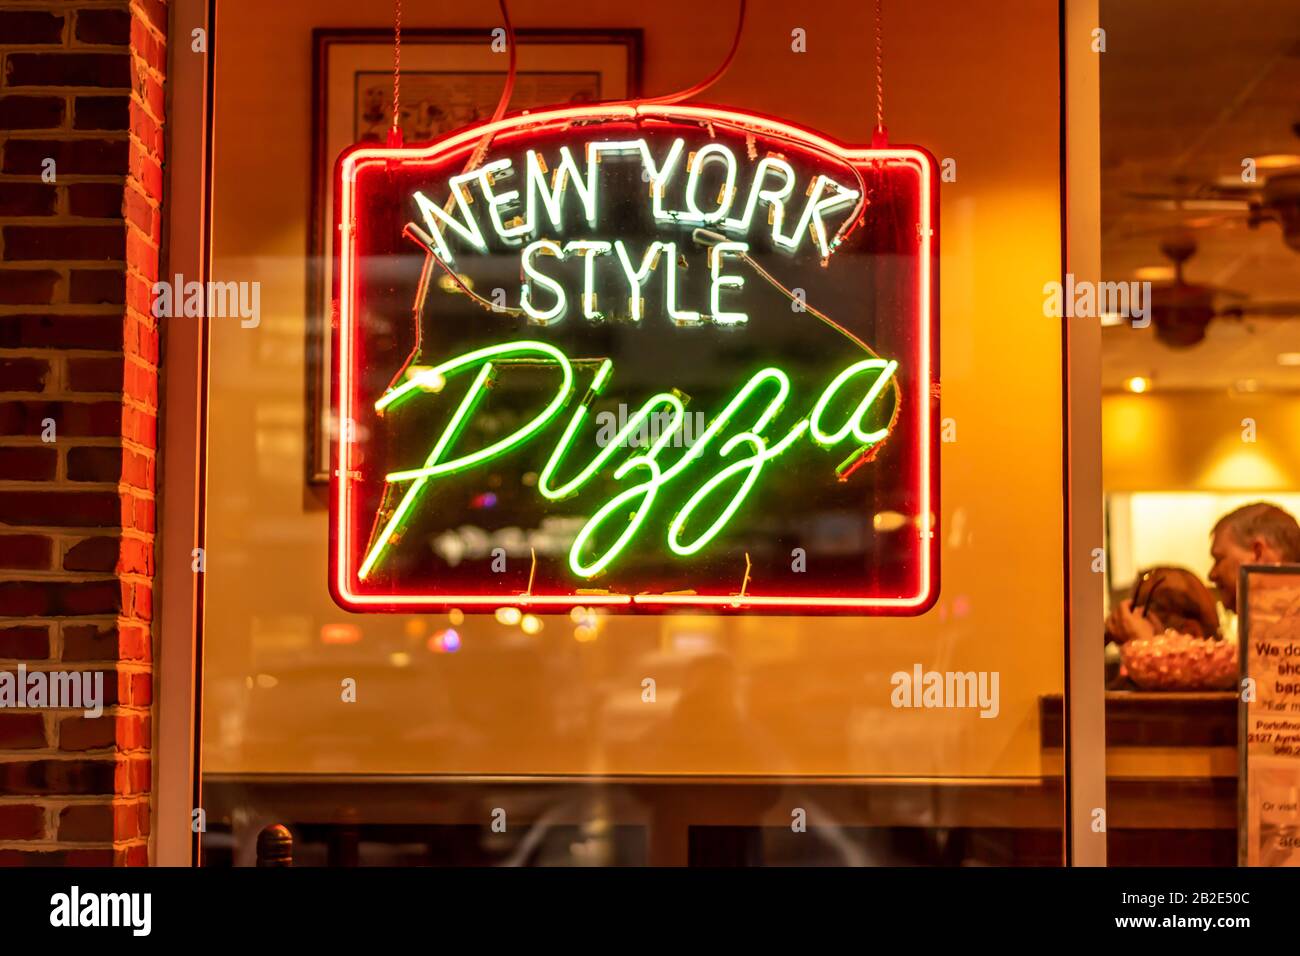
{"points": [[755, 407]]}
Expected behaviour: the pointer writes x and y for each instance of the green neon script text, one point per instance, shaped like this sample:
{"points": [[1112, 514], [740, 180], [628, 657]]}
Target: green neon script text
{"points": [[707, 510]]}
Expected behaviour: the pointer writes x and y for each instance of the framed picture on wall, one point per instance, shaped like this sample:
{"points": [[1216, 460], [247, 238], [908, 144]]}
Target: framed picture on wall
{"points": [[449, 79]]}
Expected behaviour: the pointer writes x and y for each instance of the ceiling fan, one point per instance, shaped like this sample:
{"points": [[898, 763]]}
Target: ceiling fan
{"points": [[1274, 197], [1181, 311]]}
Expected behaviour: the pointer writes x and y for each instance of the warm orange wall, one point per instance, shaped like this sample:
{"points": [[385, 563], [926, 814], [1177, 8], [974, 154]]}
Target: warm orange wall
{"points": [[977, 82], [1199, 441]]}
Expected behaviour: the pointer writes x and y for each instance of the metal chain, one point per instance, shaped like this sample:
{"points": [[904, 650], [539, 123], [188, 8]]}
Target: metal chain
{"points": [[880, 74], [397, 65]]}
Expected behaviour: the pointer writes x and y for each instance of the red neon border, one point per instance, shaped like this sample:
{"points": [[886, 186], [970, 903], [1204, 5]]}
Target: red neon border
{"points": [[341, 574]]}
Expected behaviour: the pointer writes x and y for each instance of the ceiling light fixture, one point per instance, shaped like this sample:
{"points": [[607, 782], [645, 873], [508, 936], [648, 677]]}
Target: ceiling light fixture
{"points": [[1154, 273], [1277, 161]]}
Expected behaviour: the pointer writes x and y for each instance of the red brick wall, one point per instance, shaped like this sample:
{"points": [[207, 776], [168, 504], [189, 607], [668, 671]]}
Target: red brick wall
{"points": [[80, 83]]}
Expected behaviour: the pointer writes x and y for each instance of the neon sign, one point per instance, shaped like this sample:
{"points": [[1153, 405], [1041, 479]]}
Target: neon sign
{"points": [[532, 313]]}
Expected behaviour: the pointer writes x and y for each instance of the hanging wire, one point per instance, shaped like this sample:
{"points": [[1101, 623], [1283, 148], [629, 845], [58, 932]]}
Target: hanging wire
{"points": [[503, 103], [395, 134], [717, 74], [509, 89]]}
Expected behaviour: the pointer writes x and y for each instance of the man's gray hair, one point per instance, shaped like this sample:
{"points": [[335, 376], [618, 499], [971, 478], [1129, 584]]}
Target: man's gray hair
{"points": [[1268, 523]]}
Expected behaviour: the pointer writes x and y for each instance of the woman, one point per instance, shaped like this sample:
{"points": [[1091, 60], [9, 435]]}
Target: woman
{"points": [[1168, 633]]}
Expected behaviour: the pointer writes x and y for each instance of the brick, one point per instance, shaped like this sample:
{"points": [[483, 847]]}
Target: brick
{"points": [[31, 112], [101, 823], [135, 556], [87, 824], [89, 156], [104, 26], [107, 113], [28, 464], [93, 554], [101, 70], [140, 340], [23, 374], [27, 643], [142, 214], [122, 556], [28, 286], [135, 731], [28, 552], [87, 733], [135, 855], [29, 27], [99, 419], [90, 642], [22, 821], [140, 254], [154, 96], [147, 171], [135, 641], [86, 857], [33, 858], [97, 287], [134, 775], [93, 332], [140, 296], [25, 599], [141, 383], [22, 730], [137, 426], [141, 690], [124, 731], [146, 129], [95, 374], [137, 600], [64, 509], [101, 112], [72, 777], [27, 199], [107, 642], [52, 598], [138, 471], [64, 242], [147, 46], [90, 597], [95, 200], [156, 11], [137, 514], [94, 464]]}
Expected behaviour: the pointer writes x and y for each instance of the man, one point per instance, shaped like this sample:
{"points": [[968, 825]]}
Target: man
{"points": [[1259, 533], [1253, 534]]}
